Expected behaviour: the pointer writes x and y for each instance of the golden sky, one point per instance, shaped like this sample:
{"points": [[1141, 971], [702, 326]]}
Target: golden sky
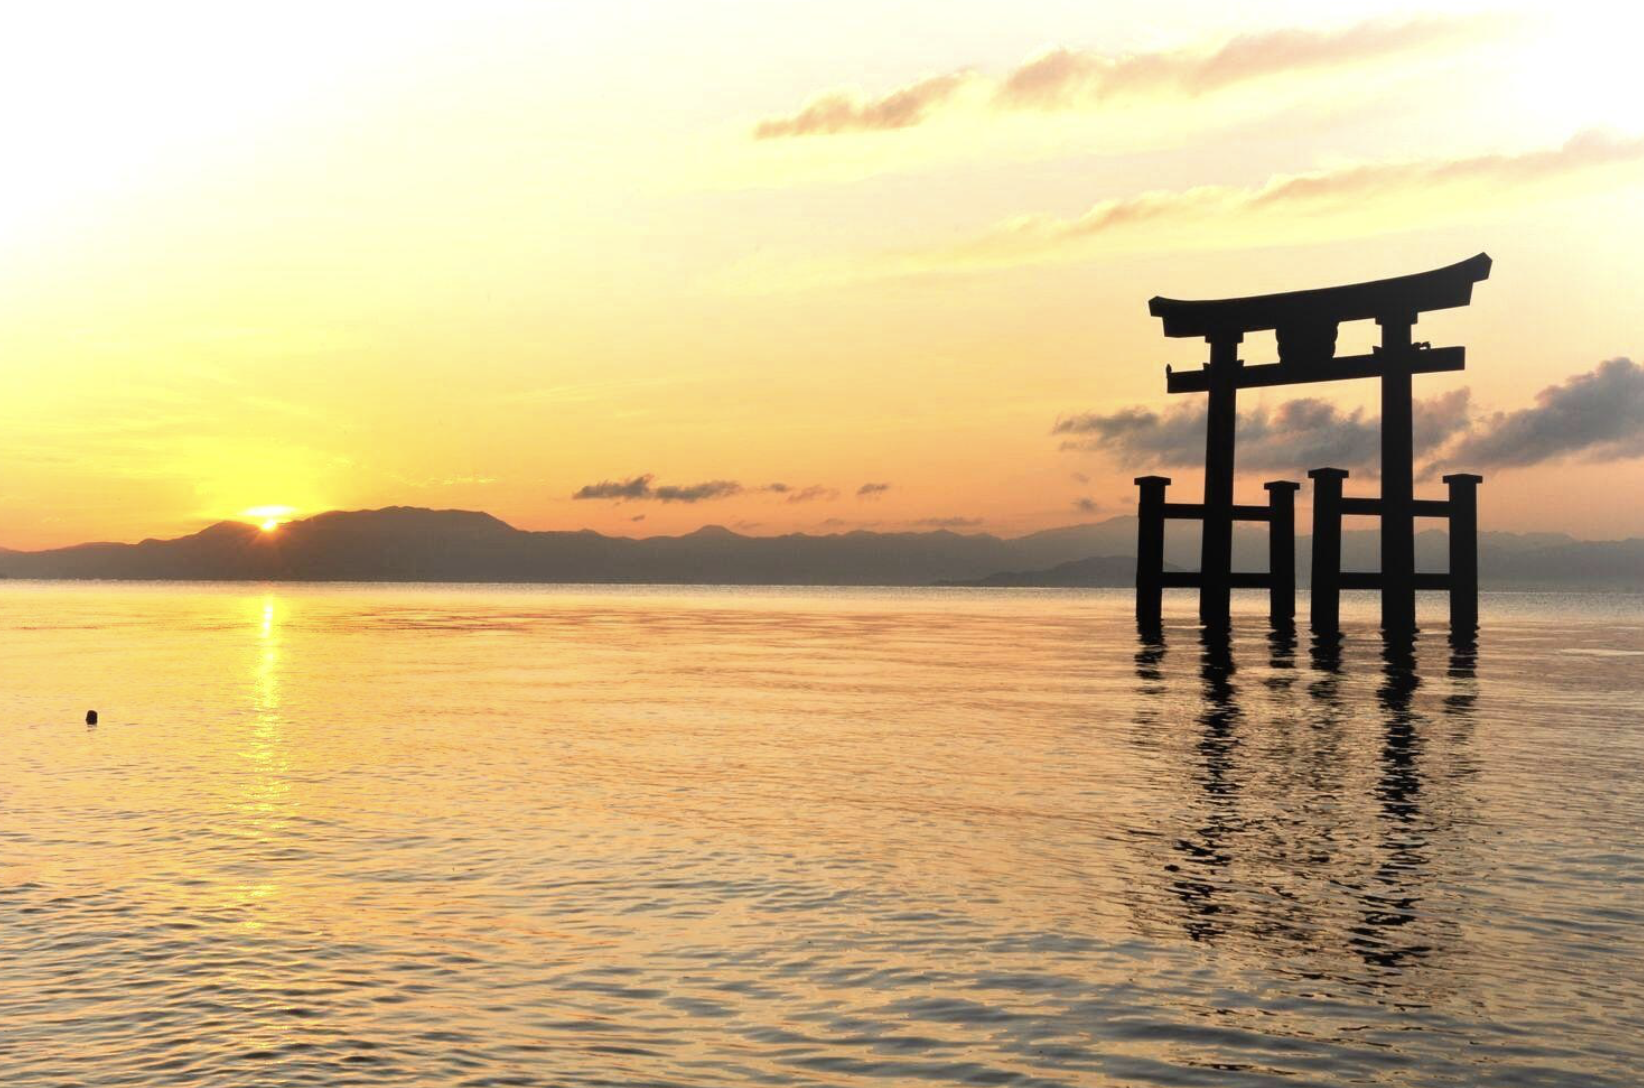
{"points": [[735, 261]]}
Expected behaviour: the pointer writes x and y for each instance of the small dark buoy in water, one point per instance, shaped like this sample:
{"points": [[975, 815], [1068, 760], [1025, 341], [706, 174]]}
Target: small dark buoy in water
{"points": [[91, 717]]}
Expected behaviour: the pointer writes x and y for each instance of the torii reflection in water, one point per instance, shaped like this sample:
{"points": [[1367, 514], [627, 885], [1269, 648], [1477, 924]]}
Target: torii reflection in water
{"points": [[1301, 827]]}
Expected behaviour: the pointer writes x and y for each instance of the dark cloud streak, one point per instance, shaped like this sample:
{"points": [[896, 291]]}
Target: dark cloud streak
{"points": [[1598, 415], [645, 489], [814, 493], [640, 488], [1296, 435]]}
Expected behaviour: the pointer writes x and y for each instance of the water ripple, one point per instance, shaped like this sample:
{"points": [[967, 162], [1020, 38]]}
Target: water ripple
{"points": [[517, 836]]}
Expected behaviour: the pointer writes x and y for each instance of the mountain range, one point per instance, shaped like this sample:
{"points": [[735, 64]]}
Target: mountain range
{"points": [[400, 543]]}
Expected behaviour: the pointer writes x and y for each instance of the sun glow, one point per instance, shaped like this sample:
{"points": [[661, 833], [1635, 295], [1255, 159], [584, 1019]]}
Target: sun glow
{"points": [[268, 518]]}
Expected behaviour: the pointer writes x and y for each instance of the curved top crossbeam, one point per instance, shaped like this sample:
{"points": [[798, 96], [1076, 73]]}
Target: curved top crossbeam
{"points": [[1401, 296]]}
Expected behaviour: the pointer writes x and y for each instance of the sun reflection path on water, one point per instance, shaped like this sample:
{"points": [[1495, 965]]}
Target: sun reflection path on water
{"points": [[263, 799]]}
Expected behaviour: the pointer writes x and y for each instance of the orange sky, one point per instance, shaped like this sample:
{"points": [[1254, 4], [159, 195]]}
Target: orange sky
{"points": [[339, 257]]}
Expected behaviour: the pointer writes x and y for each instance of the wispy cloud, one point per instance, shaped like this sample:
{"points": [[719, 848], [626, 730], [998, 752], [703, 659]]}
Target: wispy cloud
{"points": [[872, 491], [1086, 505], [1062, 79], [1072, 78], [950, 523], [813, 493], [843, 111], [1313, 206]]}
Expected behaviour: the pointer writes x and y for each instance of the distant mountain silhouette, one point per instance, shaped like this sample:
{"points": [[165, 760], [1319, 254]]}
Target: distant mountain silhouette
{"points": [[1096, 572], [400, 544], [412, 544]]}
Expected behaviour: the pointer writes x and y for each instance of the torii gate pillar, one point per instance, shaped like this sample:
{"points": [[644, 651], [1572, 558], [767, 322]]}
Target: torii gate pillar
{"points": [[1398, 522], [1216, 548]]}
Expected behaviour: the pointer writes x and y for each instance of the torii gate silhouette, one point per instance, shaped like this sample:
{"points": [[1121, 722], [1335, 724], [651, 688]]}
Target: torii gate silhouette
{"points": [[1305, 323]]}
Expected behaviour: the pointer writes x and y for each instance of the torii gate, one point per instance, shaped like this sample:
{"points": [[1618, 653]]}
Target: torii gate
{"points": [[1305, 323]]}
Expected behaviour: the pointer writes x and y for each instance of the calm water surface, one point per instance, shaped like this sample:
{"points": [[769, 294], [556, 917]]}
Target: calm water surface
{"points": [[475, 836]]}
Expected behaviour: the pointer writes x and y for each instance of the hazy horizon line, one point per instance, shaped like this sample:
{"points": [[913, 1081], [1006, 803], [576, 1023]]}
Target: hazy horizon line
{"points": [[912, 528]]}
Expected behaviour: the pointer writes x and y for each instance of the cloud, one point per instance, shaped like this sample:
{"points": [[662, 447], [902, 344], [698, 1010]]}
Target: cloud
{"points": [[1062, 79], [1297, 435], [842, 111], [640, 488], [708, 489], [1598, 415], [1086, 505], [1069, 78], [1172, 437], [645, 488], [1312, 207], [637, 488], [813, 493], [871, 491], [950, 523], [1435, 421]]}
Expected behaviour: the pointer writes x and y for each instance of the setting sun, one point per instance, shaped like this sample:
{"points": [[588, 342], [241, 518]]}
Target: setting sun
{"points": [[268, 518]]}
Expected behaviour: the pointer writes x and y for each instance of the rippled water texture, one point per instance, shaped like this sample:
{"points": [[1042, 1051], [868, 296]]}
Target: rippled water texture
{"points": [[465, 836]]}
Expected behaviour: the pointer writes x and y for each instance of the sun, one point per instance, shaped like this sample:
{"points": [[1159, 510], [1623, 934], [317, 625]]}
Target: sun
{"points": [[268, 518]]}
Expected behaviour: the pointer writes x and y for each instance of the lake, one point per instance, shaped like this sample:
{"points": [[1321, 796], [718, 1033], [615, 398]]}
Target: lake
{"points": [[454, 835]]}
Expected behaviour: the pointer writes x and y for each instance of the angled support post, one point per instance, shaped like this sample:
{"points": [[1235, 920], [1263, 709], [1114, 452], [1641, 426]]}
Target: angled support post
{"points": [[1325, 607], [1150, 549], [1463, 554], [1281, 551], [1216, 551]]}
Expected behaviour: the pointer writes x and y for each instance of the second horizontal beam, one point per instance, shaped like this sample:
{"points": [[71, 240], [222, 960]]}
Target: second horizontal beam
{"points": [[1338, 369]]}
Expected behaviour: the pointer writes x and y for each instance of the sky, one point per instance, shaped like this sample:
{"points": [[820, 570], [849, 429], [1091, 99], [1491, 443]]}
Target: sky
{"points": [[797, 266]]}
